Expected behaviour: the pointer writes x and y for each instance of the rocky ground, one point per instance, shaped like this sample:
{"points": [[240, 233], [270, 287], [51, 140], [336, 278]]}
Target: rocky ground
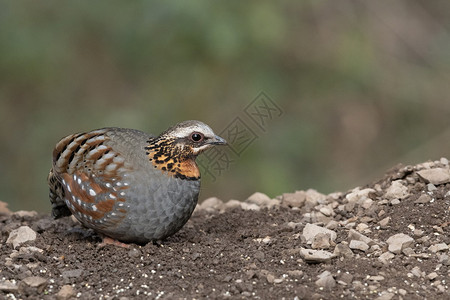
{"points": [[386, 240]]}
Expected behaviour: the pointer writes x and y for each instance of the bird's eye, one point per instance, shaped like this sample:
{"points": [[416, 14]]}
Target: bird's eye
{"points": [[196, 137]]}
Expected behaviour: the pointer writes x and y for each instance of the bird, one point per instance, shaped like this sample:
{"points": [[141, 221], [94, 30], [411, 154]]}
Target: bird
{"points": [[128, 185]]}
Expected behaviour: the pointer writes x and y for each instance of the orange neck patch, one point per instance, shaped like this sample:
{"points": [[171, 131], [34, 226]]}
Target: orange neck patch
{"points": [[178, 162]]}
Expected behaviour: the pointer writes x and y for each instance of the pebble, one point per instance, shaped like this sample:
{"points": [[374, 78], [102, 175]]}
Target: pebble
{"points": [[232, 204], [311, 230], [431, 187], [362, 227], [357, 195], [314, 197], [342, 249], [386, 257], [316, 256], [398, 242], [66, 292], [326, 280], [326, 211], [345, 278], [250, 206], [438, 247], [8, 286], [212, 204], [385, 221], [35, 282], [21, 235], [432, 275], [435, 176], [263, 200], [396, 191], [296, 199], [395, 201], [25, 213], [385, 296], [355, 235], [359, 245], [321, 241], [4, 208], [424, 198]]}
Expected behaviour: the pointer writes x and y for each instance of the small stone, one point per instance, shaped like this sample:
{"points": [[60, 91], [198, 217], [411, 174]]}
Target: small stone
{"points": [[395, 201], [438, 247], [435, 176], [321, 241], [232, 204], [402, 292], [212, 204], [424, 198], [134, 253], [21, 235], [362, 227], [278, 280], [262, 200], [314, 197], [432, 275], [296, 199], [316, 256], [7, 286], [417, 272], [326, 280], [398, 242], [396, 191], [258, 198], [359, 245], [385, 296], [326, 211], [29, 250], [355, 235], [386, 257], [251, 206], [385, 221], [311, 230], [358, 196], [342, 249], [295, 273], [418, 232], [36, 282], [376, 278], [444, 259], [332, 225], [366, 204], [345, 278], [431, 187], [408, 251], [25, 213], [66, 292], [270, 278], [4, 208]]}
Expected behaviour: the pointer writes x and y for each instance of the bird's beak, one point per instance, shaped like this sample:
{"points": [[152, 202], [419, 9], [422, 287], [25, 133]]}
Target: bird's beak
{"points": [[217, 140]]}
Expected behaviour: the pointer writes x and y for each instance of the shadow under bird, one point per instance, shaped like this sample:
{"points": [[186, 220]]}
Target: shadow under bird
{"points": [[127, 184]]}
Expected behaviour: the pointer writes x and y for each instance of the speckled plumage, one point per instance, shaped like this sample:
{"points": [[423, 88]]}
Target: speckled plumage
{"points": [[129, 185]]}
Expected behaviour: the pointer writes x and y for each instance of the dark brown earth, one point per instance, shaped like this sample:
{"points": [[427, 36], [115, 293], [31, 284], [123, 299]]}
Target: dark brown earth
{"points": [[225, 252]]}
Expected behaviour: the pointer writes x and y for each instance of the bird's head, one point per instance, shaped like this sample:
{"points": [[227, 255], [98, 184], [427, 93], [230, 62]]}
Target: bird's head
{"points": [[175, 149], [192, 137]]}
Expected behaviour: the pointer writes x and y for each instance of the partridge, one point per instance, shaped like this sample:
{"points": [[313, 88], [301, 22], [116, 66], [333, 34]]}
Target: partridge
{"points": [[129, 185]]}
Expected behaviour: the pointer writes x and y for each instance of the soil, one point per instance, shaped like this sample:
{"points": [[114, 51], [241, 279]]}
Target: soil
{"points": [[247, 252]]}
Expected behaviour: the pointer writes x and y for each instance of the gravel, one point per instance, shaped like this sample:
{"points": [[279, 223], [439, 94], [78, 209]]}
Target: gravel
{"points": [[387, 240]]}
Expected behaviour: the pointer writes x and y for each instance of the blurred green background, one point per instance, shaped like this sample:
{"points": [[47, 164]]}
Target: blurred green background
{"points": [[363, 85]]}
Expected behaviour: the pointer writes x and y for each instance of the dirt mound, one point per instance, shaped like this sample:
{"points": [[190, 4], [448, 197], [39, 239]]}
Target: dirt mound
{"points": [[387, 240]]}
